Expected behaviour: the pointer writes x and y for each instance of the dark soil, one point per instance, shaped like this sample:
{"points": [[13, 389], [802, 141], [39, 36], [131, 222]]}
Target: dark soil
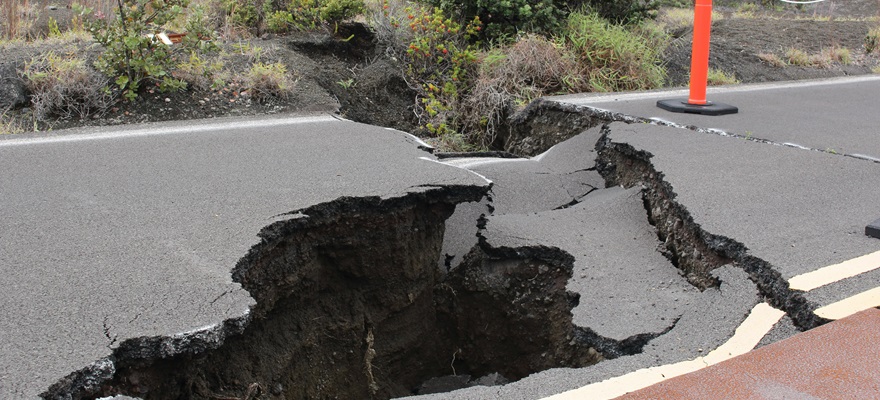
{"points": [[359, 80], [737, 42]]}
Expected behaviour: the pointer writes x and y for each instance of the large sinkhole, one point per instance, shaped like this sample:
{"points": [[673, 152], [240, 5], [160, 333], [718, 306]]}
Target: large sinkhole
{"points": [[351, 304]]}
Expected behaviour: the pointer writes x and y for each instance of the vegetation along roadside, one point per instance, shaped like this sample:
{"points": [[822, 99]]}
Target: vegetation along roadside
{"points": [[451, 71]]}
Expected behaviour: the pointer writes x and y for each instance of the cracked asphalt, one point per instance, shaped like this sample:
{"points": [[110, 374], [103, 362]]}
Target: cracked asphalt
{"points": [[108, 235], [792, 177]]}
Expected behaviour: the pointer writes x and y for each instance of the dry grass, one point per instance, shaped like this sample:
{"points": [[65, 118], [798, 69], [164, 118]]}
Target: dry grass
{"points": [[264, 82], [65, 87], [772, 59], [718, 77], [798, 57], [676, 19], [510, 77], [837, 54]]}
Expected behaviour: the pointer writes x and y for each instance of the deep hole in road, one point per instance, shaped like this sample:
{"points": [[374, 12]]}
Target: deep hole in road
{"points": [[351, 304]]}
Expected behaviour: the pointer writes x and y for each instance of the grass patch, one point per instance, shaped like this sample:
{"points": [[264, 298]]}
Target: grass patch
{"points": [[718, 77], [798, 57], [837, 54], [772, 59], [611, 57], [264, 82]]}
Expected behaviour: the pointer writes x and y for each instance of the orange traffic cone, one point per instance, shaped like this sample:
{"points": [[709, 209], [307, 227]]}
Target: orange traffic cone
{"points": [[696, 102]]}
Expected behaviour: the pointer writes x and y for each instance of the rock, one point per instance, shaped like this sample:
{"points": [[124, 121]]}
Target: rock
{"points": [[12, 91]]}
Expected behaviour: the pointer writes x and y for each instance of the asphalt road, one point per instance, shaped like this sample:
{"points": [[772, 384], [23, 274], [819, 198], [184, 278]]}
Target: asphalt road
{"points": [[111, 234], [116, 233], [834, 115]]}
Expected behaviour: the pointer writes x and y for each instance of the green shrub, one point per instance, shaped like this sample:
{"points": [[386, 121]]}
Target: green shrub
{"points": [[623, 11], [310, 14], [611, 57], [441, 63], [504, 19], [133, 54], [65, 87]]}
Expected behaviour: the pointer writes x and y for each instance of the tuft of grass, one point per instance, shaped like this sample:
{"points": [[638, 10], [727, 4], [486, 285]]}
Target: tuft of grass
{"points": [[876, 69], [718, 77], [872, 40], [611, 57], [65, 87], [772, 59], [837, 54], [8, 125], [202, 72], [798, 57], [679, 19], [268, 81]]}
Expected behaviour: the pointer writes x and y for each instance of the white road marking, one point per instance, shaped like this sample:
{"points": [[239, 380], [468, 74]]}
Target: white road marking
{"points": [[759, 322], [747, 336], [836, 272], [489, 181], [194, 127], [468, 163], [851, 305], [589, 99]]}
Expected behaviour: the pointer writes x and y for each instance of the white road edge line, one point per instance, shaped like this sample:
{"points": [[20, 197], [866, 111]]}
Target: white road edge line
{"points": [[851, 305], [760, 321], [836, 272], [167, 130]]}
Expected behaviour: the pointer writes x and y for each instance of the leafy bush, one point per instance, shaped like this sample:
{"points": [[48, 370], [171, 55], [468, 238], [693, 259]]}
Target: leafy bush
{"points": [[268, 81], [310, 14], [611, 57], [133, 54], [504, 19], [65, 87], [440, 64], [624, 11]]}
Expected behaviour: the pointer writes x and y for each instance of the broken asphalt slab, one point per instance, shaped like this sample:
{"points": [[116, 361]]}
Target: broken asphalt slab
{"points": [[626, 287], [112, 235], [554, 179], [831, 115]]}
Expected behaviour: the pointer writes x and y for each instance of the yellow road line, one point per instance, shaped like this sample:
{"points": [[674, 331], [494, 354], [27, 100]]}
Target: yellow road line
{"points": [[747, 335], [834, 273], [851, 305]]}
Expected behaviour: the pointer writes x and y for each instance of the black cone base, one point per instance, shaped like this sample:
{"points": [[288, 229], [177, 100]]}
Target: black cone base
{"points": [[682, 106], [873, 230]]}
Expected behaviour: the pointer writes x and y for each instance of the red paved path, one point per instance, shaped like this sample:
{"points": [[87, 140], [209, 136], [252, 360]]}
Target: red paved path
{"points": [[840, 360]]}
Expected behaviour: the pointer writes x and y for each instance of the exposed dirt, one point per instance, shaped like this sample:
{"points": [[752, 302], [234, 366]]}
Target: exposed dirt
{"points": [[736, 44]]}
